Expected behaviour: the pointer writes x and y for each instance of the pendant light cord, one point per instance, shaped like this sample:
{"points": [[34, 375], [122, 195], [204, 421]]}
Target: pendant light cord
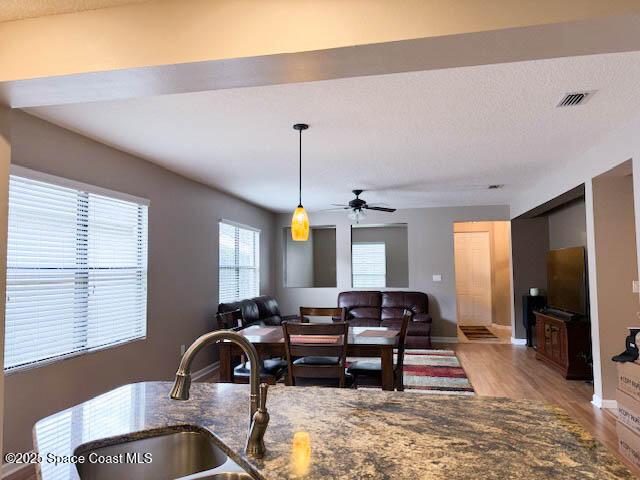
{"points": [[300, 171]]}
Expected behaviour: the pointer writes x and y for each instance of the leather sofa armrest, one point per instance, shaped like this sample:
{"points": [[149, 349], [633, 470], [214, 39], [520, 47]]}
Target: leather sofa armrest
{"points": [[422, 317]]}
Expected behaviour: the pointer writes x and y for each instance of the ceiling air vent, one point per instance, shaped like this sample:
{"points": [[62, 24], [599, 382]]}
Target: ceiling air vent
{"points": [[576, 98]]}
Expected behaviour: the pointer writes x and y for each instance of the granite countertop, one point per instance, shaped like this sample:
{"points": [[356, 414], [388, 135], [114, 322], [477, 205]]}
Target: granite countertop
{"points": [[353, 434]]}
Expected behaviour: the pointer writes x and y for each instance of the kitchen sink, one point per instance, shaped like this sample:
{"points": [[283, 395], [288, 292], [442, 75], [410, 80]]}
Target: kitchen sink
{"points": [[181, 454]]}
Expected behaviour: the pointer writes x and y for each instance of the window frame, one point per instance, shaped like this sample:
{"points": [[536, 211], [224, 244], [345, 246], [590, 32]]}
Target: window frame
{"points": [[83, 189], [236, 266], [354, 275]]}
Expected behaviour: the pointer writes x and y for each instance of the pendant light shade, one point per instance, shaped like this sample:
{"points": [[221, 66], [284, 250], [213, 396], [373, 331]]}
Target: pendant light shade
{"points": [[300, 219], [300, 225]]}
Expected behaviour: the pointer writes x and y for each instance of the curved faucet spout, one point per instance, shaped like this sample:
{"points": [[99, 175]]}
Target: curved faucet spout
{"points": [[182, 384]]}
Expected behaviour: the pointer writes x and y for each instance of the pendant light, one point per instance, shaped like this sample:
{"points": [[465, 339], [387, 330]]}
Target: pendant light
{"points": [[300, 220]]}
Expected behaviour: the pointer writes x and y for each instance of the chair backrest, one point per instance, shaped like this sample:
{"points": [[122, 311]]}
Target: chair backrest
{"points": [[230, 320], [335, 313], [402, 339], [331, 341]]}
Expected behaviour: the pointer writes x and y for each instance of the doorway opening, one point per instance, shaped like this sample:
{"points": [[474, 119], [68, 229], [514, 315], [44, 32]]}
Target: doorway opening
{"points": [[482, 253]]}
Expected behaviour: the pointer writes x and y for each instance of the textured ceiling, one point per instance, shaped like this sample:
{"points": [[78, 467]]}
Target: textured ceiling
{"points": [[434, 138], [21, 9]]}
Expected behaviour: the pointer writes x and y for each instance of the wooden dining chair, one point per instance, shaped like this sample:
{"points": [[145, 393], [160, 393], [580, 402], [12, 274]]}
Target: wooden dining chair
{"points": [[271, 370], [317, 353], [372, 369], [336, 314]]}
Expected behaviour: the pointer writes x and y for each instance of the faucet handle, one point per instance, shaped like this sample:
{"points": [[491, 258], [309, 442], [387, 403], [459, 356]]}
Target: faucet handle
{"points": [[262, 402]]}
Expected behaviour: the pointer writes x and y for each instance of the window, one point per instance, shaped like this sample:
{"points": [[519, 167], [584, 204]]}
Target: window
{"points": [[76, 269], [239, 262], [369, 264]]}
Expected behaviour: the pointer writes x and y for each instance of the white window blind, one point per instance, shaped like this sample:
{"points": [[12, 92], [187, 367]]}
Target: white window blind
{"points": [[76, 271], [239, 262], [369, 265]]}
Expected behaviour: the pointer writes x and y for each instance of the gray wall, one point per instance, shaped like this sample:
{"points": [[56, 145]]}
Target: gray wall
{"points": [[395, 240], [182, 281], [298, 260], [311, 263], [324, 257], [430, 240], [568, 226], [529, 247]]}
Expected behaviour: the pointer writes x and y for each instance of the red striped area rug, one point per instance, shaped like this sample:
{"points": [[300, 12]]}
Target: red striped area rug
{"points": [[435, 372]]}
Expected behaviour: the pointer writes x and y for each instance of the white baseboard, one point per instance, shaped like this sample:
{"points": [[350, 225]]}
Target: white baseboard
{"points": [[203, 372], [444, 339], [604, 403], [518, 341]]}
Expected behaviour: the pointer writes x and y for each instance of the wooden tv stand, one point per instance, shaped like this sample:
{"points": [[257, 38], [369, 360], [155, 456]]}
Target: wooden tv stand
{"points": [[565, 344]]}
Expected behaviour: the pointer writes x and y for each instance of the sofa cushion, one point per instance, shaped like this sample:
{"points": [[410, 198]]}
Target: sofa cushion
{"points": [[267, 306], [422, 317], [394, 303], [249, 309], [364, 312], [359, 299]]}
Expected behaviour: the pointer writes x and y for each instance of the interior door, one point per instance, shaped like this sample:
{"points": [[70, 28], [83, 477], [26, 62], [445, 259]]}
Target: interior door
{"points": [[473, 277]]}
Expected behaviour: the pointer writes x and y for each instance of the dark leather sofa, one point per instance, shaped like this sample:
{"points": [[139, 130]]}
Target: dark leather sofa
{"points": [[385, 309], [263, 310]]}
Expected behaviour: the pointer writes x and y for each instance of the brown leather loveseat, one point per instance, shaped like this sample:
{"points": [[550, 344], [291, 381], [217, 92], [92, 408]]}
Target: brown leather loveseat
{"points": [[263, 310], [385, 309]]}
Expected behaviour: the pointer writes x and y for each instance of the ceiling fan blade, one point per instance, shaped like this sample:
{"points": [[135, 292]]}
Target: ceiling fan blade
{"points": [[334, 209], [380, 209], [378, 204], [339, 204]]}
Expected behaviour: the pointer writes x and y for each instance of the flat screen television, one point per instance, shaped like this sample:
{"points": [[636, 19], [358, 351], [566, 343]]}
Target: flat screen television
{"points": [[567, 280]]}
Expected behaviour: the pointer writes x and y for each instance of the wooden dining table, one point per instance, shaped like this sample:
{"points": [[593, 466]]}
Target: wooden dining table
{"points": [[377, 342]]}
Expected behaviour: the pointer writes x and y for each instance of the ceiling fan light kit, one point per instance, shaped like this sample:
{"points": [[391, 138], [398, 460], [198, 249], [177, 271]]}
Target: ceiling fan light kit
{"points": [[358, 207], [300, 219], [357, 215]]}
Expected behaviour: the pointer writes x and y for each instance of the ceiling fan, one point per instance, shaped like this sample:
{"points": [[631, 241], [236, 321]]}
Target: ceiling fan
{"points": [[357, 207]]}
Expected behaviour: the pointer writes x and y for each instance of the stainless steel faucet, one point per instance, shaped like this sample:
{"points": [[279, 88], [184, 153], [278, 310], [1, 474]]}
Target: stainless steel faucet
{"points": [[259, 418]]}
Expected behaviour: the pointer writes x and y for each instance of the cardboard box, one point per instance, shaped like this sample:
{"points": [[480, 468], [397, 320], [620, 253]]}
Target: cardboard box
{"points": [[628, 411], [629, 379], [628, 444]]}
